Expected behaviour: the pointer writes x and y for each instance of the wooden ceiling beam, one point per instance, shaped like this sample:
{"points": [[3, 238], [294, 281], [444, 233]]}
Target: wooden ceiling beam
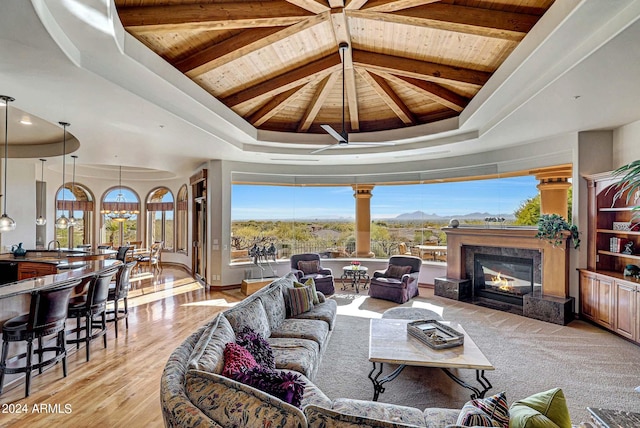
{"points": [[394, 5], [422, 70], [273, 106], [311, 5], [243, 44], [355, 4], [461, 19], [388, 95], [284, 82], [320, 96], [211, 16], [431, 90]]}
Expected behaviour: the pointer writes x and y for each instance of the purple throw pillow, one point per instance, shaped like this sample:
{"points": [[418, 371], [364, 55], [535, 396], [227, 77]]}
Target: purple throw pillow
{"points": [[257, 346], [236, 359], [284, 385]]}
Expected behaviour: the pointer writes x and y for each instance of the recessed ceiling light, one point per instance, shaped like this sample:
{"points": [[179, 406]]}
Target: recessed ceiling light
{"points": [[26, 121]]}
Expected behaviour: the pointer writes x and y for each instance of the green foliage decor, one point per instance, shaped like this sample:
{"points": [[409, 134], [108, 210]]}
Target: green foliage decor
{"points": [[551, 227], [629, 184]]}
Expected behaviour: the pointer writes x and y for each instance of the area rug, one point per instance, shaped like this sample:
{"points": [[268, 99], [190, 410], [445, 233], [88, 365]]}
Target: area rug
{"points": [[594, 368]]}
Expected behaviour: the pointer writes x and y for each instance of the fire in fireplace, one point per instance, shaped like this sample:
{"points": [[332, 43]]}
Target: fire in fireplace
{"points": [[503, 278]]}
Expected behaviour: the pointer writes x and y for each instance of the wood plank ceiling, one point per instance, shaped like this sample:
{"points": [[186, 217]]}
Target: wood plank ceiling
{"points": [[277, 64]]}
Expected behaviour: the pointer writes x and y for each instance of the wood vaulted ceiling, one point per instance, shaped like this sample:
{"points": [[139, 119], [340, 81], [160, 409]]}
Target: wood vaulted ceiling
{"points": [[277, 64]]}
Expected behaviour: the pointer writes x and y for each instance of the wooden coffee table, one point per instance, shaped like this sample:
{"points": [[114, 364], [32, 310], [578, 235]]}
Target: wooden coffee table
{"points": [[390, 343]]}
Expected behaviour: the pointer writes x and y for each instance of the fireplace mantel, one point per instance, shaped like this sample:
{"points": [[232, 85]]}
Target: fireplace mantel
{"points": [[551, 303], [555, 259]]}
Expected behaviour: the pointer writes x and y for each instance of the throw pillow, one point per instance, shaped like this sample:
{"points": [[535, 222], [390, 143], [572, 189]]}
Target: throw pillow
{"points": [[285, 385], [298, 300], [309, 266], [310, 282], [544, 409], [492, 410], [395, 271], [236, 359], [257, 346], [470, 415]]}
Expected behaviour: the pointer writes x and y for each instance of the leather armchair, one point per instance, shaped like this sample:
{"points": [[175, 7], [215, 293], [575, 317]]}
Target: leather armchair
{"points": [[399, 283], [307, 265]]}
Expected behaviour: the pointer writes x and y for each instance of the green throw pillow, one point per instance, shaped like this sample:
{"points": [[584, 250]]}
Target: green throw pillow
{"points": [[311, 284], [546, 409]]}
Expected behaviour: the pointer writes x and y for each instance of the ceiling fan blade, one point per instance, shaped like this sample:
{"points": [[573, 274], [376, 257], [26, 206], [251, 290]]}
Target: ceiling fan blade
{"points": [[335, 134], [373, 143], [325, 148]]}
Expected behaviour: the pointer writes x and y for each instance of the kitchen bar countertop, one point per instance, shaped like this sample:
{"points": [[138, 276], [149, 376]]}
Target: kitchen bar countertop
{"points": [[62, 256], [87, 268]]}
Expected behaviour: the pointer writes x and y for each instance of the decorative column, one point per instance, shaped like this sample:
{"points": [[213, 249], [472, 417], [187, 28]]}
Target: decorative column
{"points": [[362, 193], [554, 186]]}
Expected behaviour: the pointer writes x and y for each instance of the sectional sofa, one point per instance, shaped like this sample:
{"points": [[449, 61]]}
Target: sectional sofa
{"points": [[196, 393]]}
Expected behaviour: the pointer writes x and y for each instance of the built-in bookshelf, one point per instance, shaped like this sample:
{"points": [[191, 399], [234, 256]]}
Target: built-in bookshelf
{"points": [[607, 296]]}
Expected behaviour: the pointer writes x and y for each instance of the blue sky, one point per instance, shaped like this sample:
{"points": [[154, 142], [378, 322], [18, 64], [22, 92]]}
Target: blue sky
{"points": [[495, 196]]}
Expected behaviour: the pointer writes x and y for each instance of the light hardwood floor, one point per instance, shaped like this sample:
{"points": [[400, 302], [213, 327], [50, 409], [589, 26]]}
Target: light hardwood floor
{"points": [[120, 386]]}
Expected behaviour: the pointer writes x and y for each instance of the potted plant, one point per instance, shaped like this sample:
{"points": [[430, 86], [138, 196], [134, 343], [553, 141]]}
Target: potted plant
{"points": [[552, 227], [628, 185]]}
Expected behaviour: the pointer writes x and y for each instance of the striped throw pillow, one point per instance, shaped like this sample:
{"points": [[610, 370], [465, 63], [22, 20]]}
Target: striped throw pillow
{"points": [[298, 300], [486, 412]]}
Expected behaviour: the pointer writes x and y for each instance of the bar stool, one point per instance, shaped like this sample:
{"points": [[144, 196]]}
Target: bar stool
{"points": [[89, 305], [120, 291], [47, 316]]}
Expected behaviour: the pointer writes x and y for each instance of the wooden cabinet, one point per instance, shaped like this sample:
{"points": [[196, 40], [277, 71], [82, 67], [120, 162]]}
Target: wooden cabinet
{"points": [[612, 301], [626, 310], [597, 298], [607, 297], [35, 269]]}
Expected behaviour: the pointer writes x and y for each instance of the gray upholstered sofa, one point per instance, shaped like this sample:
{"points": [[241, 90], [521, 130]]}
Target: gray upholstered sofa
{"points": [[195, 393]]}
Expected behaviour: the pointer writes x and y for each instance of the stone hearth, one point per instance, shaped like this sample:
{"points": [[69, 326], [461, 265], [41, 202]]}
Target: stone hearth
{"points": [[551, 302]]}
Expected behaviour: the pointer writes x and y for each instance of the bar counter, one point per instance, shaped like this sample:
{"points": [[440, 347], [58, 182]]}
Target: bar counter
{"points": [[15, 296]]}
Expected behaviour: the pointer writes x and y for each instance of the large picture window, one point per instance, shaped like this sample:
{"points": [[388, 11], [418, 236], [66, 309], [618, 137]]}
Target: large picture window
{"points": [[182, 220], [160, 217], [120, 217], [403, 216], [77, 204]]}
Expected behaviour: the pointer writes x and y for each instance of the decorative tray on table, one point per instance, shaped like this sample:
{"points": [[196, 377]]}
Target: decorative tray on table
{"points": [[435, 334]]}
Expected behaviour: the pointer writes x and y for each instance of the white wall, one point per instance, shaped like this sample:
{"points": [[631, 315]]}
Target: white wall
{"points": [[626, 144]]}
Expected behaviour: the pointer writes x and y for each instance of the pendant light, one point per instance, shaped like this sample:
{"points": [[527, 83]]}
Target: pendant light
{"points": [[72, 219], [41, 220], [63, 222], [6, 223]]}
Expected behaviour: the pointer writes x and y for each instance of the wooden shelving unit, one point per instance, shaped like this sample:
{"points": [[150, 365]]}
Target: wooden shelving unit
{"points": [[607, 297]]}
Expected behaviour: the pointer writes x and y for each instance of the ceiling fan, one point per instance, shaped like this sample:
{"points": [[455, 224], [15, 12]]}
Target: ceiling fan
{"points": [[342, 137]]}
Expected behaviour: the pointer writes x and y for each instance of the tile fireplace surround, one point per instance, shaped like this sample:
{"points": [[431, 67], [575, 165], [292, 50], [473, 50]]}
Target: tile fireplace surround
{"points": [[552, 304]]}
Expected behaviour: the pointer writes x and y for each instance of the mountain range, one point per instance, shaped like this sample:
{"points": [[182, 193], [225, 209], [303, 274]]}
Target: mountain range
{"points": [[419, 215]]}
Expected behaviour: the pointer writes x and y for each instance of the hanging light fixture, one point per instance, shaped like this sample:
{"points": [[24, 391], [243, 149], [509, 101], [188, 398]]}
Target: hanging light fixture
{"points": [[72, 219], [120, 214], [63, 222], [6, 222], [41, 220]]}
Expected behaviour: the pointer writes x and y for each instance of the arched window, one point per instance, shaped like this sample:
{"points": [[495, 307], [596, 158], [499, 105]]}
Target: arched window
{"points": [[120, 216], [182, 220], [77, 203], [160, 217]]}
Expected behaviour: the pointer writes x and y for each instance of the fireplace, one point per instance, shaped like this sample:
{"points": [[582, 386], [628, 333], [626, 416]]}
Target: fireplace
{"points": [[503, 278], [533, 273]]}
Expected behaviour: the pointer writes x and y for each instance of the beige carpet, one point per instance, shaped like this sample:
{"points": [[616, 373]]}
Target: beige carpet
{"points": [[593, 367]]}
